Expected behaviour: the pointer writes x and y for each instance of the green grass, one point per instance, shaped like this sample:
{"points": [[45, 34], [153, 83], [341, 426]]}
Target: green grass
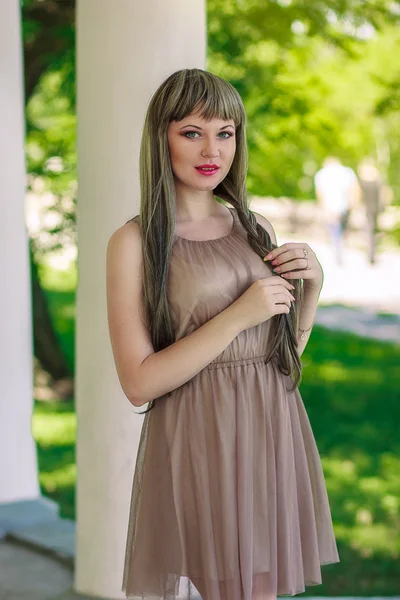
{"points": [[54, 423], [54, 429], [59, 286], [351, 390]]}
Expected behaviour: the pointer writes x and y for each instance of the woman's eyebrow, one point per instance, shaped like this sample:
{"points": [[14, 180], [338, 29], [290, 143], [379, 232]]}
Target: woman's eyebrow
{"points": [[196, 127]]}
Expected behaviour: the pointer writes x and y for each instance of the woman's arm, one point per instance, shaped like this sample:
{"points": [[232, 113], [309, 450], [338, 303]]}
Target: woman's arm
{"points": [[312, 285], [308, 311], [143, 373]]}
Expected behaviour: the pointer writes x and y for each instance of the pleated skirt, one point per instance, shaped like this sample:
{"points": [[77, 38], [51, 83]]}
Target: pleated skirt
{"points": [[228, 491]]}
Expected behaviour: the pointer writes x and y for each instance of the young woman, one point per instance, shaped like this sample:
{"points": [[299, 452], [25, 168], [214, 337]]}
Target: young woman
{"points": [[208, 318]]}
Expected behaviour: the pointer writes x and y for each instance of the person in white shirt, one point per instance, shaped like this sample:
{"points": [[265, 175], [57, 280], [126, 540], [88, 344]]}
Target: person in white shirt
{"points": [[336, 186]]}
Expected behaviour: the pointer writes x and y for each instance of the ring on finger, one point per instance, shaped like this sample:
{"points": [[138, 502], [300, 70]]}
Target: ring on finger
{"points": [[305, 252]]}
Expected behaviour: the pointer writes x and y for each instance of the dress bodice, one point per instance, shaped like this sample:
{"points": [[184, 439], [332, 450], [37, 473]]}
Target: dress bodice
{"points": [[205, 277]]}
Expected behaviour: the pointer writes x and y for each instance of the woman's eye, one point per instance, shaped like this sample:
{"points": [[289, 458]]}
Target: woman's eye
{"points": [[187, 133], [222, 132]]}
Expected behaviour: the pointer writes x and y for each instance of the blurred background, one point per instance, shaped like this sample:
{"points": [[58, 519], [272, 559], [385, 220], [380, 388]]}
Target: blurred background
{"points": [[318, 79]]}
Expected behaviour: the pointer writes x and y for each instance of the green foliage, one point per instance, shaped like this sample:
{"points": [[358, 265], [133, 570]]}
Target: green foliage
{"points": [[310, 74], [51, 158], [59, 287], [312, 81], [51, 132]]}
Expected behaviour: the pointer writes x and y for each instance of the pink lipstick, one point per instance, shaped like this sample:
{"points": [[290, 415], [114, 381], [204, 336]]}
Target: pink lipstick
{"points": [[207, 170]]}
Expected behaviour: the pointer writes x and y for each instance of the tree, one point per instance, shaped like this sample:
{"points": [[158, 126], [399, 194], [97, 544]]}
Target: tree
{"points": [[295, 65], [49, 45]]}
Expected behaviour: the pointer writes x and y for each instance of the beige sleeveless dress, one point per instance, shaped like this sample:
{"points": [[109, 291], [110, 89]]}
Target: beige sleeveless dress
{"points": [[228, 492]]}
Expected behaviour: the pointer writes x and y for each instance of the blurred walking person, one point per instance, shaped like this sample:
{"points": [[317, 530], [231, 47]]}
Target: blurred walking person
{"points": [[336, 189], [371, 195]]}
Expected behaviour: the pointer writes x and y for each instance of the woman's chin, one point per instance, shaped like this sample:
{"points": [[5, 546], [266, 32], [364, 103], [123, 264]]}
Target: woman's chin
{"points": [[207, 185]]}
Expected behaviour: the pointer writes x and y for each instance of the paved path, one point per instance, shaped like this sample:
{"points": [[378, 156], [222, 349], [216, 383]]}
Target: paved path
{"points": [[361, 321], [29, 575]]}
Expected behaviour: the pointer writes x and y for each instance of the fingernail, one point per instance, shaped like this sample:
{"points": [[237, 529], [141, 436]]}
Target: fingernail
{"points": [[268, 257]]}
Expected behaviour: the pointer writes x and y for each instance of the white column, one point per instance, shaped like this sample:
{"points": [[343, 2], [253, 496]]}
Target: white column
{"points": [[18, 464], [125, 50]]}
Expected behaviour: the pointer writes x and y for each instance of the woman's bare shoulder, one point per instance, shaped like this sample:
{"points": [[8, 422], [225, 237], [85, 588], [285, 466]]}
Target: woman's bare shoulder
{"points": [[126, 238], [261, 220]]}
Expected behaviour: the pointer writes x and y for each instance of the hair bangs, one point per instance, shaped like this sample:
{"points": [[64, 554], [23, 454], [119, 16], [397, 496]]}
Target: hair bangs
{"points": [[208, 95]]}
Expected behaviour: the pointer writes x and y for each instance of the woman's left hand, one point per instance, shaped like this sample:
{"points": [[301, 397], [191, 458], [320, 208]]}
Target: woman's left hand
{"points": [[296, 260]]}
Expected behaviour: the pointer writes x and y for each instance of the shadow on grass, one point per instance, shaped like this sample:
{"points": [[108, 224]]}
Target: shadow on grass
{"points": [[54, 423], [351, 389], [54, 429]]}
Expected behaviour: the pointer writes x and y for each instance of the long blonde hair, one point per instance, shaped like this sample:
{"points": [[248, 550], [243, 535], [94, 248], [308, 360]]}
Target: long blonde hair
{"points": [[184, 92]]}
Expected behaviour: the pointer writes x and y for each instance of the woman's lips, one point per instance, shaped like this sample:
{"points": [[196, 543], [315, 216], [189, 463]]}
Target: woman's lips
{"points": [[207, 172]]}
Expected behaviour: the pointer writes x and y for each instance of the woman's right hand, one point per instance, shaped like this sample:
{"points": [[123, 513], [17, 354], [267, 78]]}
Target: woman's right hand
{"points": [[262, 300]]}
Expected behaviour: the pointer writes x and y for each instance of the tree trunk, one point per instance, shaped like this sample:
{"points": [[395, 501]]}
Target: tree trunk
{"points": [[56, 20], [46, 346]]}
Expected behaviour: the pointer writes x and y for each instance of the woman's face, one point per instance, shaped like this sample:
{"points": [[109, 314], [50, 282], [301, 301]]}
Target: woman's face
{"points": [[194, 143]]}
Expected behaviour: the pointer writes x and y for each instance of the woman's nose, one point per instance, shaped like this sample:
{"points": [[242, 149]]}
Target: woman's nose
{"points": [[210, 149]]}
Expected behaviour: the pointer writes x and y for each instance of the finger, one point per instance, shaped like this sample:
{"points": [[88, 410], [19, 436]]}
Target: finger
{"points": [[308, 274], [277, 280], [277, 251], [282, 290], [282, 308], [288, 255], [282, 299], [298, 263]]}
